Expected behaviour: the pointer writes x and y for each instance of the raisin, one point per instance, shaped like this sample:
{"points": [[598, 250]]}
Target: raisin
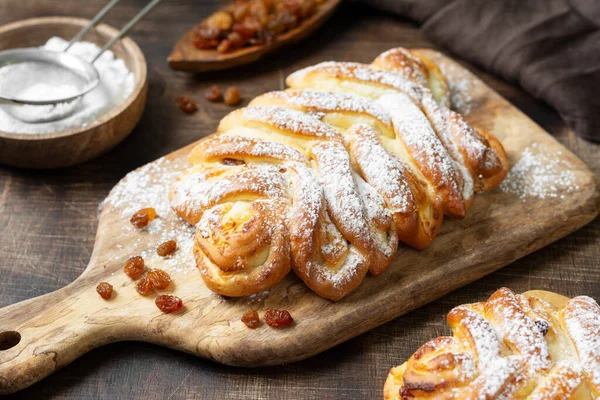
{"points": [[143, 217], [134, 267], [224, 46], [233, 161], [167, 303], [240, 11], [208, 33], [232, 96], [247, 29], [206, 44], [234, 41], [259, 11], [543, 326], [144, 285], [213, 94], [105, 290], [159, 278], [186, 104], [219, 20], [250, 319], [277, 318], [167, 248]]}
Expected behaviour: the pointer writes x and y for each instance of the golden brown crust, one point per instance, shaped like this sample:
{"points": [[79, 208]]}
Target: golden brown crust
{"points": [[328, 176], [511, 346]]}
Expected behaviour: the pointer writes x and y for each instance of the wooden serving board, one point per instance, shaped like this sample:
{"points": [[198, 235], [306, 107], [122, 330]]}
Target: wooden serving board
{"points": [[40, 335]]}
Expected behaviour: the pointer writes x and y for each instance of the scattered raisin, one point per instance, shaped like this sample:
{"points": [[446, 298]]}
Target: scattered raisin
{"points": [[144, 285], [250, 319], [167, 248], [105, 290], [167, 303], [277, 318], [186, 104], [159, 278], [143, 217], [213, 93], [232, 96], [134, 267], [543, 326]]}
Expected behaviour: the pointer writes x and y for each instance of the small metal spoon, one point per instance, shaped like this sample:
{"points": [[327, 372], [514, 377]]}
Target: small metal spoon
{"points": [[58, 108]]}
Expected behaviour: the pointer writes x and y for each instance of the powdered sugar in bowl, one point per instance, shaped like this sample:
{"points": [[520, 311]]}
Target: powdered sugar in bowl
{"points": [[105, 116]]}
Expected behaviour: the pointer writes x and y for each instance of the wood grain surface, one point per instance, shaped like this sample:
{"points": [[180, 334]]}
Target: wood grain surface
{"points": [[42, 212]]}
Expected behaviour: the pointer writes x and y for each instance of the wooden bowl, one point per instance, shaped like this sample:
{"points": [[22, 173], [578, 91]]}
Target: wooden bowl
{"points": [[75, 145]]}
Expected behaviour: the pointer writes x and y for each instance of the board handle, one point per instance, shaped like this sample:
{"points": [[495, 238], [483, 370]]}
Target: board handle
{"points": [[40, 335]]}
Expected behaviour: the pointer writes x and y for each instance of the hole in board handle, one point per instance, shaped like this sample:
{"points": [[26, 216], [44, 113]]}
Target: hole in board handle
{"points": [[9, 339]]}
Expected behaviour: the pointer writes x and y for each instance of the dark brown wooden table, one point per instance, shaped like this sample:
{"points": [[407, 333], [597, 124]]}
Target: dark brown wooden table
{"points": [[48, 220]]}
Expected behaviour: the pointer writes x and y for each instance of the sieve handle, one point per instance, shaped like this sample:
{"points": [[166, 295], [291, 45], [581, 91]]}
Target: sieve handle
{"points": [[97, 18], [125, 30]]}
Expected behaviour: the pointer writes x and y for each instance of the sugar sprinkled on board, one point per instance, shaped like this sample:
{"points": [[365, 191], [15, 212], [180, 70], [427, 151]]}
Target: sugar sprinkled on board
{"points": [[540, 174], [460, 86], [148, 186], [116, 84]]}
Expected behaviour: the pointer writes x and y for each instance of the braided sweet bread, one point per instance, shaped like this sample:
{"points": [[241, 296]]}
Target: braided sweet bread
{"points": [[328, 176], [536, 346]]}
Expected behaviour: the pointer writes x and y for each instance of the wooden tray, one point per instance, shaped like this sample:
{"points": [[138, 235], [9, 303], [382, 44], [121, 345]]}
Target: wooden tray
{"points": [[40, 335]]}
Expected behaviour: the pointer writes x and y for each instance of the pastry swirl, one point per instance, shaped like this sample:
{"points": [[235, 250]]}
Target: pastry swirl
{"points": [[328, 176], [535, 346]]}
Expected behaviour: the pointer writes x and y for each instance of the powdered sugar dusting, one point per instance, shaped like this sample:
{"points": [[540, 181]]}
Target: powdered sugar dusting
{"points": [[582, 320], [495, 378], [441, 122], [340, 189], [519, 330], [289, 120], [307, 199], [365, 73], [330, 101], [460, 86], [406, 64], [380, 169], [561, 383], [483, 335], [417, 133], [195, 191], [540, 174], [225, 145], [348, 271], [377, 215]]}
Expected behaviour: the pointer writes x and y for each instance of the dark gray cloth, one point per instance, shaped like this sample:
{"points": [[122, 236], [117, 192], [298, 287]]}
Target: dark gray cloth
{"points": [[549, 47]]}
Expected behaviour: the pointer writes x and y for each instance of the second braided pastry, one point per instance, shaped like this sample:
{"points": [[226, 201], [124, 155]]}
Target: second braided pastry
{"points": [[328, 176]]}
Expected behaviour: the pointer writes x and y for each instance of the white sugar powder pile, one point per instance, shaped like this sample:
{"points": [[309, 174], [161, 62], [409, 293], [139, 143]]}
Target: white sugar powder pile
{"points": [[540, 174], [116, 84]]}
